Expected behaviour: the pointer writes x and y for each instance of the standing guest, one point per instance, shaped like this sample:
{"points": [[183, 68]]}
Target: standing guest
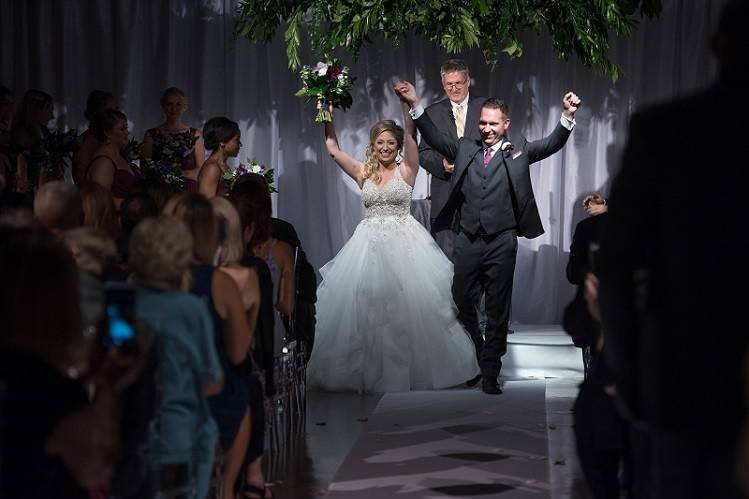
{"points": [[233, 336], [98, 208], [174, 138], [183, 441], [97, 101], [58, 206], [278, 255], [674, 248], [450, 115], [260, 380], [108, 168], [28, 130], [222, 138], [490, 204]]}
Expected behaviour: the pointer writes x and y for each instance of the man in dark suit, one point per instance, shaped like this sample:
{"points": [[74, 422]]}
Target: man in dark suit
{"points": [[450, 115], [490, 203], [674, 250]]}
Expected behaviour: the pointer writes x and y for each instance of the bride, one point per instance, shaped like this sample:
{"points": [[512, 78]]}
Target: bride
{"points": [[386, 320]]}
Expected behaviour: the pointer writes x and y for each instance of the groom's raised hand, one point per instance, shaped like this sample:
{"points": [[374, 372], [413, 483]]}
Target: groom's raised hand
{"points": [[571, 104], [407, 93]]}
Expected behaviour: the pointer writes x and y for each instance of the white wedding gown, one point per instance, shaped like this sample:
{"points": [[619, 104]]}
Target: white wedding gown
{"points": [[386, 320]]}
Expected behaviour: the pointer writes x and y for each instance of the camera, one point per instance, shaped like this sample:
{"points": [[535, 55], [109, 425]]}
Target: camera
{"points": [[119, 312]]}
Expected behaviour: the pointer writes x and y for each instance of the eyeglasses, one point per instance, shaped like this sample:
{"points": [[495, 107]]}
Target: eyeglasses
{"points": [[454, 86]]}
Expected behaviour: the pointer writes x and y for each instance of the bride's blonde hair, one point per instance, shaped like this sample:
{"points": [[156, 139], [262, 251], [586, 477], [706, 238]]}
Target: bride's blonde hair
{"points": [[371, 165]]}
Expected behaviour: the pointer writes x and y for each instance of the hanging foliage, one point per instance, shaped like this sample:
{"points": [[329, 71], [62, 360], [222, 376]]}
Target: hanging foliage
{"points": [[579, 27]]}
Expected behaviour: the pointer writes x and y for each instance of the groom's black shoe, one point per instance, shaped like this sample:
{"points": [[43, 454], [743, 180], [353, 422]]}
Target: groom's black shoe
{"points": [[490, 386], [473, 381]]}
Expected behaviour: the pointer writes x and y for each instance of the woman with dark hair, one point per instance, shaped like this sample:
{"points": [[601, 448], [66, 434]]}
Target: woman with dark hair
{"points": [[221, 137], [97, 101], [386, 318], [108, 168], [29, 128], [174, 138], [233, 335], [245, 200], [45, 451]]}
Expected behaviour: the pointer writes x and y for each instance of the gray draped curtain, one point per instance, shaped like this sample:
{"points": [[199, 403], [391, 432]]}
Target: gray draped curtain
{"points": [[137, 48]]}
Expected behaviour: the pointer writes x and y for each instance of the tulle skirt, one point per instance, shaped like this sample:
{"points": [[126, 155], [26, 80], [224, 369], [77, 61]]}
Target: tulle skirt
{"points": [[386, 320]]}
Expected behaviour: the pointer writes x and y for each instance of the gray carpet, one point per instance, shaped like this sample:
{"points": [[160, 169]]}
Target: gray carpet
{"points": [[451, 443]]}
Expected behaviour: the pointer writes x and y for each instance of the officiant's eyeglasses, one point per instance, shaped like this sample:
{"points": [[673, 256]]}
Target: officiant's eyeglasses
{"points": [[455, 86]]}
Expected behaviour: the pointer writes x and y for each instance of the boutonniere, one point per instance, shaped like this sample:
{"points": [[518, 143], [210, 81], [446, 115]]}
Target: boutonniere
{"points": [[506, 146]]}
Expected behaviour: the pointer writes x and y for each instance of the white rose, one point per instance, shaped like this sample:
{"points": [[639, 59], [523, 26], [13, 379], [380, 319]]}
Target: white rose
{"points": [[321, 68], [256, 169]]}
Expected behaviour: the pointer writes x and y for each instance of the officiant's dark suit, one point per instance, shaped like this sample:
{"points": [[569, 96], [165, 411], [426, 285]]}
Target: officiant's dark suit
{"points": [[441, 114], [488, 207]]}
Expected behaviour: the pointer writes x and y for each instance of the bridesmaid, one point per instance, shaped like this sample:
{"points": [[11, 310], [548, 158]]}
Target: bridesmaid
{"points": [[28, 130], [108, 168], [173, 132], [97, 101], [222, 139]]}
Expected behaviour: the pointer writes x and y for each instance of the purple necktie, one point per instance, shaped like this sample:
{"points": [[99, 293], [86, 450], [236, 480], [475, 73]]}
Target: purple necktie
{"points": [[488, 156]]}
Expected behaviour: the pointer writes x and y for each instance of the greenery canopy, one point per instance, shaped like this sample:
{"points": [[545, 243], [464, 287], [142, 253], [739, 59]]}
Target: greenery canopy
{"points": [[579, 27]]}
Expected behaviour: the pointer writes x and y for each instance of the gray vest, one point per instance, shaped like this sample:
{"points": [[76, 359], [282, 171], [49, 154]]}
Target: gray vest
{"points": [[487, 205]]}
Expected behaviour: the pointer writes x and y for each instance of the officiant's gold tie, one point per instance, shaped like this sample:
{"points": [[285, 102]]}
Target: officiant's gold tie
{"points": [[460, 121]]}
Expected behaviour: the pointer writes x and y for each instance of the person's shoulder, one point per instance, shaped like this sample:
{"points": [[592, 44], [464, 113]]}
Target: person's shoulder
{"points": [[440, 104], [675, 110], [284, 231]]}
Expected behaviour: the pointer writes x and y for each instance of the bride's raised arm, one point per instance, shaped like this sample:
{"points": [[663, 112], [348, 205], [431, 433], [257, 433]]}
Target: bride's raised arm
{"points": [[353, 167], [410, 146]]}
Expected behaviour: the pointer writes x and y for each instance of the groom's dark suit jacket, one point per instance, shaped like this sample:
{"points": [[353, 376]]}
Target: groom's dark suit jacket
{"points": [[441, 114], [468, 152]]}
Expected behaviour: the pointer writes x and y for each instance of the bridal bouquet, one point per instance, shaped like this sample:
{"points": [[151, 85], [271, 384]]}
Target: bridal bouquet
{"points": [[327, 83], [131, 151], [252, 166]]}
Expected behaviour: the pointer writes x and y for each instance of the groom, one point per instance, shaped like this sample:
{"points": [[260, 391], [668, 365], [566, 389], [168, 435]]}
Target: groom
{"points": [[490, 204]]}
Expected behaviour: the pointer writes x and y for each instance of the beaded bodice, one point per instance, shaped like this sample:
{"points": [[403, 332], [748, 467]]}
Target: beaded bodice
{"points": [[393, 199]]}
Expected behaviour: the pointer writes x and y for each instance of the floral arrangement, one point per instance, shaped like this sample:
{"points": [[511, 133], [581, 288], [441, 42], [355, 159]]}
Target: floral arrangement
{"points": [[252, 166], [173, 147], [164, 171], [327, 83], [132, 150], [50, 153]]}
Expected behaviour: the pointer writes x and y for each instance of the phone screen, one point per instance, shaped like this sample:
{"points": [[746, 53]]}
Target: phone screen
{"points": [[118, 315]]}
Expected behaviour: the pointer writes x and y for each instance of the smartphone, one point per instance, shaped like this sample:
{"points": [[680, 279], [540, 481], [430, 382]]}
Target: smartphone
{"points": [[119, 313]]}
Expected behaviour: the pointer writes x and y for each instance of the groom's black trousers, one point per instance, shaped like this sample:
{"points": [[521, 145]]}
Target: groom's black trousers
{"points": [[485, 264]]}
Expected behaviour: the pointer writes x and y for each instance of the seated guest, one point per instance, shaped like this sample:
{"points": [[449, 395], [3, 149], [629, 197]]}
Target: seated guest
{"points": [[183, 443], [230, 255], [138, 206], [233, 336], [108, 168], [7, 107], [58, 206], [173, 137], [221, 137], [98, 208], [55, 442], [156, 189], [97, 101]]}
